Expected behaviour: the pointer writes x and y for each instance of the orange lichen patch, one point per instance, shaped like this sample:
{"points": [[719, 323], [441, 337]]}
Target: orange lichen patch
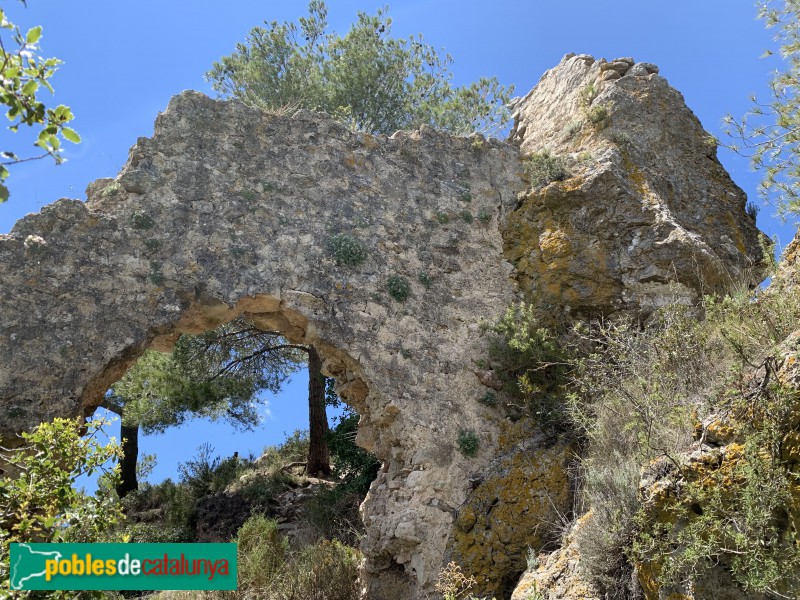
{"points": [[648, 575], [352, 161], [554, 244], [734, 228], [511, 511], [721, 431], [572, 184], [369, 141]]}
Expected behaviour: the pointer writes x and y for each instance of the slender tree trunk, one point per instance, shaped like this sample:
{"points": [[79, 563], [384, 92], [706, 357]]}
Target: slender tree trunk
{"points": [[318, 456], [130, 454]]}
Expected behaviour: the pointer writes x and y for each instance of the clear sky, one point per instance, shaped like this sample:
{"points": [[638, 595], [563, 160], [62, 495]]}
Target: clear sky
{"points": [[124, 60]]}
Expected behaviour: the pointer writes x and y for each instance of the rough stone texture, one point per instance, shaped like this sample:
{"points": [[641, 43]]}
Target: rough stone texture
{"points": [[557, 576], [517, 506], [787, 277], [646, 202], [227, 211]]}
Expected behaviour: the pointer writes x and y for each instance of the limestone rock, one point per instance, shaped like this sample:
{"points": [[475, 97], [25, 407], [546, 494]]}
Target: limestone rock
{"points": [[557, 576], [646, 215], [515, 508]]}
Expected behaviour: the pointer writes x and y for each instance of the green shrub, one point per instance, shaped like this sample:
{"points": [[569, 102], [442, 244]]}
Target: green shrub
{"points": [[399, 288], [468, 442], [346, 250], [489, 399], [638, 395], [168, 503], [466, 216], [157, 533], [293, 449], [442, 217], [572, 128], [328, 570], [587, 95], [110, 190], [156, 275], [140, 220], [533, 364], [424, 279], [485, 217], [41, 504], [262, 554], [543, 168], [269, 570], [597, 114]]}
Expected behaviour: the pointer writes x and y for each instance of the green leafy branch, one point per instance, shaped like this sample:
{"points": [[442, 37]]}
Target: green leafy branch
{"points": [[23, 75]]}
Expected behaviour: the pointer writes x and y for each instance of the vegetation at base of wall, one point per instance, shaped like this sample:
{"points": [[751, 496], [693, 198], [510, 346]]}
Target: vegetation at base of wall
{"points": [[639, 397], [543, 168], [346, 250], [398, 288], [269, 569]]}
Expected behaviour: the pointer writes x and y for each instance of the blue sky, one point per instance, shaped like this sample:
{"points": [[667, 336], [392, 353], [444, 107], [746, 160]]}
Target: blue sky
{"points": [[124, 60]]}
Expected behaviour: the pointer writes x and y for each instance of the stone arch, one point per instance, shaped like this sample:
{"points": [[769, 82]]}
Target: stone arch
{"points": [[226, 210]]}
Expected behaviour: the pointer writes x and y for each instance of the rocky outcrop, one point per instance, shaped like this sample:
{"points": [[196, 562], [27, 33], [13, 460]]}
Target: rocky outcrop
{"points": [[383, 253], [557, 575], [644, 214]]}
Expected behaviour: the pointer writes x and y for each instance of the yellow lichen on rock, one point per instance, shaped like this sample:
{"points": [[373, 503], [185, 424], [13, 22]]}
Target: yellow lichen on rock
{"points": [[519, 506]]}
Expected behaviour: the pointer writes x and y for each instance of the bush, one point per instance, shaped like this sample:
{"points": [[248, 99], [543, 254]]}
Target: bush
{"points": [[262, 553], [41, 504], [293, 449], [468, 442], [639, 394], [543, 168], [269, 570], [532, 363], [597, 114], [327, 570], [399, 288], [346, 250], [170, 505]]}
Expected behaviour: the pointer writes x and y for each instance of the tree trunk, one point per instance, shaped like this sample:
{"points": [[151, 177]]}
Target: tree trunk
{"points": [[127, 464], [318, 456]]}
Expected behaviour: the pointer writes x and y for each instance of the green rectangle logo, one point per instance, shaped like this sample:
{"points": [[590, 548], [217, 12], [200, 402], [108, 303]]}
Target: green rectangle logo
{"points": [[123, 567]]}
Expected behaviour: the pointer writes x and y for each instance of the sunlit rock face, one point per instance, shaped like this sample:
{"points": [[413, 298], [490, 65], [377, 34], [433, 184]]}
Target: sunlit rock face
{"points": [[384, 253], [645, 214]]}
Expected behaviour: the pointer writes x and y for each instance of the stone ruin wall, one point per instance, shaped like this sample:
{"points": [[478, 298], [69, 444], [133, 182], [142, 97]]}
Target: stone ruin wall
{"points": [[226, 211]]}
